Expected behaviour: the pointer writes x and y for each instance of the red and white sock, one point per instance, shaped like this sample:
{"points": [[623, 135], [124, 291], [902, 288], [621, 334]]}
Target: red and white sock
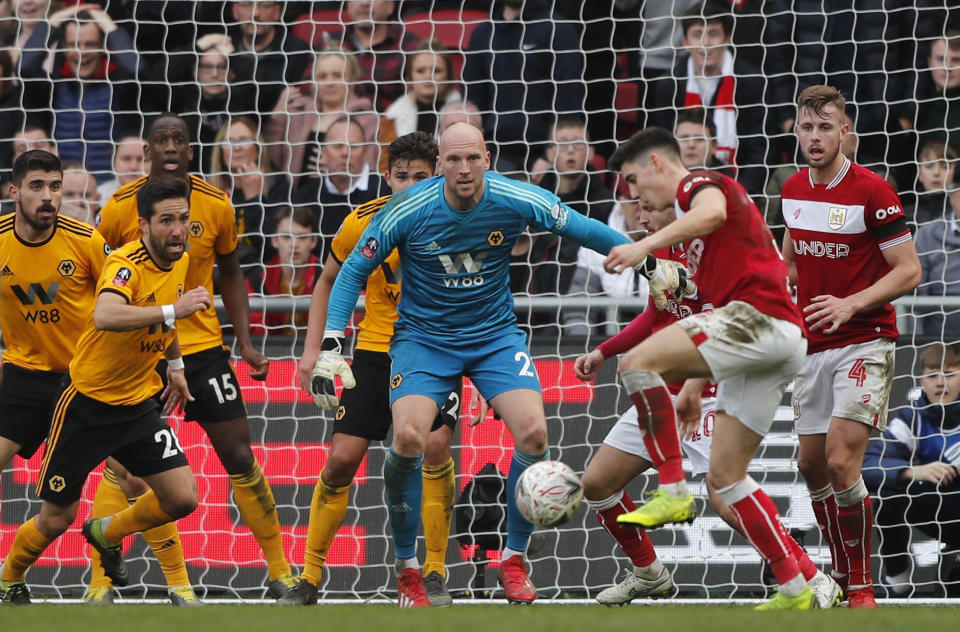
{"points": [[825, 510], [658, 423], [761, 525], [855, 517], [634, 542]]}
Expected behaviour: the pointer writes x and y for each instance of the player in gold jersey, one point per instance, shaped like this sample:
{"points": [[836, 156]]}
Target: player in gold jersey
{"points": [[108, 406], [364, 414], [49, 266], [219, 406]]}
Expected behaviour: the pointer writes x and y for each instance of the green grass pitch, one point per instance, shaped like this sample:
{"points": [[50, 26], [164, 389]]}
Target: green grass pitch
{"points": [[468, 618]]}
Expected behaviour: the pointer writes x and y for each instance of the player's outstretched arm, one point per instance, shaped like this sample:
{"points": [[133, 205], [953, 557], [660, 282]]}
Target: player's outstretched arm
{"points": [[708, 212], [233, 290], [829, 312], [112, 313], [317, 320]]}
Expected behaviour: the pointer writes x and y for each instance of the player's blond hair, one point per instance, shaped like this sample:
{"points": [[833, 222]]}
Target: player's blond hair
{"points": [[816, 98]]}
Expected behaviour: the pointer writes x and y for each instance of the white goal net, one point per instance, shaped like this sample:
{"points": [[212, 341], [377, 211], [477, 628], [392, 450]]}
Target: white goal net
{"points": [[615, 67]]}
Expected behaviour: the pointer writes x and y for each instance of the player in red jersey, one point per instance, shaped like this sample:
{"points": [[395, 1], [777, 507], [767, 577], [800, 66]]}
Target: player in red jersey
{"points": [[849, 252], [751, 344], [628, 451]]}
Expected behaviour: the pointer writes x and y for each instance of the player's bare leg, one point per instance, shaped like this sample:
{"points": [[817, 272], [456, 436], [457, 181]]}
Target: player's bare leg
{"points": [[733, 446], [7, 451], [522, 413], [608, 472], [253, 495], [436, 512], [413, 416], [667, 356]]}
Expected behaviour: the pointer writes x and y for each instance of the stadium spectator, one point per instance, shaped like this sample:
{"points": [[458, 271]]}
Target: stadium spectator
{"points": [[589, 278], [128, 164], [293, 271], [729, 87], [304, 114], [347, 182], [91, 89], [11, 111], [378, 43], [205, 89], [266, 56], [27, 15], [522, 69], [33, 137], [936, 112], [81, 199], [938, 245], [697, 136], [936, 175], [459, 112], [241, 169], [428, 75], [578, 186], [652, 44], [912, 472]]}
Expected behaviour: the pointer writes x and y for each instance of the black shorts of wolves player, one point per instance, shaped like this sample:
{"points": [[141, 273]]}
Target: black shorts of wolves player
{"points": [[26, 404], [365, 410], [213, 385], [84, 432]]}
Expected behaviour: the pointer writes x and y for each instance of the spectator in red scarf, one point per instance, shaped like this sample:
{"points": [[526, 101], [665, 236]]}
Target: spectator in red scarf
{"points": [[91, 91], [730, 87], [292, 272]]}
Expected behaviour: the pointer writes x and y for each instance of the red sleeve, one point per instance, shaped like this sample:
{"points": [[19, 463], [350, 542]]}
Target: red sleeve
{"points": [[693, 182], [630, 336]]}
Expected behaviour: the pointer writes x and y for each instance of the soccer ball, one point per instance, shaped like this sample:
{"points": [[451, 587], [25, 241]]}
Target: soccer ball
{"points": [[549, 493]]}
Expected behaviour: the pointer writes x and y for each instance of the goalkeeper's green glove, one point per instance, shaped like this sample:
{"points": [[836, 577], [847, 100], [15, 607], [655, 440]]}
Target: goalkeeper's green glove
{"points": [[666, 276], [329, 364]]}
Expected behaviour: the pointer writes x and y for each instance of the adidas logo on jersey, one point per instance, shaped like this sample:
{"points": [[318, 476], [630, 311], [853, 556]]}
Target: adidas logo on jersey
{"points": [[431, 247], [6, 271]]}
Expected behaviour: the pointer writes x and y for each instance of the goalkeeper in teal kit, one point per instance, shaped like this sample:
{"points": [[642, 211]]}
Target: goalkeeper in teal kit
{"points": [[454, 234]]}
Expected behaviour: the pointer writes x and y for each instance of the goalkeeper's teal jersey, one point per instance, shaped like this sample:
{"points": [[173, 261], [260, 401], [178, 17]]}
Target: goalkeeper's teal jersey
{"points": [[455, 265]]}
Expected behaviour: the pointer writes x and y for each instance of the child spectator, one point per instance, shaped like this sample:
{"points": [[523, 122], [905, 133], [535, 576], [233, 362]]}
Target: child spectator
{"points": [[292, 272]]}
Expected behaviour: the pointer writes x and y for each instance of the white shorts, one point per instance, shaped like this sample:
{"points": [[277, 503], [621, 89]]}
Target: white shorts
{"points": [[626, 436], [851, 382], [752, 357]]}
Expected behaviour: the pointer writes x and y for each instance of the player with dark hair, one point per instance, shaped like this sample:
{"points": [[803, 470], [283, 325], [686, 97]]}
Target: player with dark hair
{"points": [[454, 235], [219, 406], [364, 413], [751, 345], [849, 252], [49, 266], [108, 407]]}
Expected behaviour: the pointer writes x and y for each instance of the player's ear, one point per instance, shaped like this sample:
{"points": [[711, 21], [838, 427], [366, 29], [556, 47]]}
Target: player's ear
{"points": [[486, 160], [14, 193], [144, 225]]}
